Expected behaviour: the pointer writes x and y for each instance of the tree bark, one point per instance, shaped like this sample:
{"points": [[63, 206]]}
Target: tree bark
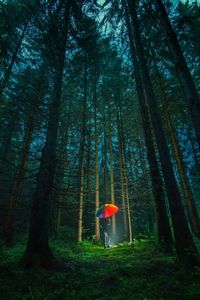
{"points": [[185, 247], [97, 222], [112, 187], [18, 180], [105, 167], [163, 227], [184, 75], [81, 162], [89, 216], [61, 167], [189, 200], [38, 251], [123, 195]]}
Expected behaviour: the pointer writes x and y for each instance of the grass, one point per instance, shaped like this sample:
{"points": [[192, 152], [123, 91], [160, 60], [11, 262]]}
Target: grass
{"points": [[127, 271]]}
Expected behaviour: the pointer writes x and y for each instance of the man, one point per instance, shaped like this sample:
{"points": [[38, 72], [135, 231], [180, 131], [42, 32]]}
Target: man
{"points": [[106, 240], [106, 232]]}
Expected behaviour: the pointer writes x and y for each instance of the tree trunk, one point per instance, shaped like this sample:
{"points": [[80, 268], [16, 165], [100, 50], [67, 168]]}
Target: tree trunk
{"points": [[192, 211], [112, 187], [81, 163], [133, 166], [123, 195], [97, 222], [105, 168], [128, 205], [80, 218], [184, 75], [124, 173], [189, 200], [61, 169], [38, 251], [163, 227], [186, 249], [18, 180], [89, 208]]}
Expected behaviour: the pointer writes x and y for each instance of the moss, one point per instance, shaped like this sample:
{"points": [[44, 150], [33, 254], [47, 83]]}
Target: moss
{"points": [[127, 271]]}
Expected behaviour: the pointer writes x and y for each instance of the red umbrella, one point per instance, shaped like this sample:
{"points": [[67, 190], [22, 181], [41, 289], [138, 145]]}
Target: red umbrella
{"points": [[106, 211]]}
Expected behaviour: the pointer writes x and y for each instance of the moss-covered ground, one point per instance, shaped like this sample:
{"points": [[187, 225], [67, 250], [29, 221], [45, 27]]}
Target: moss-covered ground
{"points": [[126, 271]]}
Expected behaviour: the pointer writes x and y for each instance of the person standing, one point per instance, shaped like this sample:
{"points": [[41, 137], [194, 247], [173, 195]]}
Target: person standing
{"points": [[106, 224]]}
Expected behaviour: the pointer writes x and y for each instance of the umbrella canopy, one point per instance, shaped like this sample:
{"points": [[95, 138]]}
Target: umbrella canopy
{"points": [[106, 211]]}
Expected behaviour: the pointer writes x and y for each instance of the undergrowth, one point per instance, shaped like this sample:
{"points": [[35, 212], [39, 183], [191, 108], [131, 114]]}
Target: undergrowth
{"points": [[126, 271]]}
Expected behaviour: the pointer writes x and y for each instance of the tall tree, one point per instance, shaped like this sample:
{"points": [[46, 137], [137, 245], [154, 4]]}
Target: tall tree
{"points": [[38, 251], [164, 231], [189, 199], [82, 153], [16, 185], [112, 187], [122, 186], [185, 247], [97, 223], [184, 74]]}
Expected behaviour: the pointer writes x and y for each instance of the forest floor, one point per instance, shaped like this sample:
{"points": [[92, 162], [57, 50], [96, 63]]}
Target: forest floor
{"points": [[136, 271]]}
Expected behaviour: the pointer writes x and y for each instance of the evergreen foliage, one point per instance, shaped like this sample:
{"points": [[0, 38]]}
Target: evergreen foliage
{"points": [[99, 103]]}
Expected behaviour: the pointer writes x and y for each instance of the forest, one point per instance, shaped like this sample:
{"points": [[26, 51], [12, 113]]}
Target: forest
{"points": [[99, 111]]}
